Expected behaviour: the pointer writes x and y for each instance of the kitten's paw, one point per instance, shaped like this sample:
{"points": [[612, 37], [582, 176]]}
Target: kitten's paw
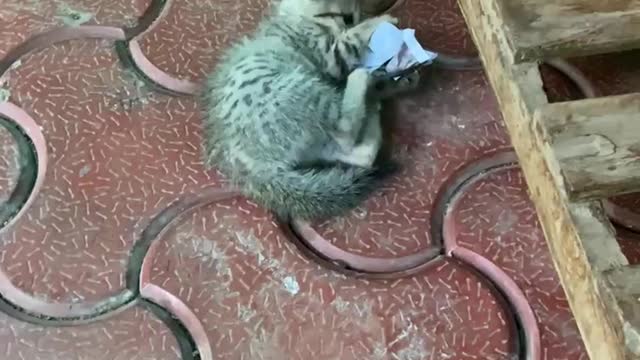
{"points": [[388, 88], [409, 82], [360, 76]]}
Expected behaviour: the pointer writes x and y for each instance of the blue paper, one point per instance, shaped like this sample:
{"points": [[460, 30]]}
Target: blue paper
{"points": [[386, 42], [398, 49]]}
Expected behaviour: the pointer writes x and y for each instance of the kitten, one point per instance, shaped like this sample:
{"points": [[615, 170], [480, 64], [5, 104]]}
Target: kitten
{"points": [[291, 118]]}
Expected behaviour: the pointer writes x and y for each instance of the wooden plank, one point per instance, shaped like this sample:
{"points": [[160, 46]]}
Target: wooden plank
{"points": [[579, 237], [625, 287], [545, 29], [598, 144], [597, 237]]}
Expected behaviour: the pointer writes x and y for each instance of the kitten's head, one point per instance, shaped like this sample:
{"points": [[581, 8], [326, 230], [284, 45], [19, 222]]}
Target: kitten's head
{"points": [[345, 13]]}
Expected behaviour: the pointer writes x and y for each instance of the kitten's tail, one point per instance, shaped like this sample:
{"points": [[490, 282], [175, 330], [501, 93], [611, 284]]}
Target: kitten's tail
{"points": [[314, 193]]}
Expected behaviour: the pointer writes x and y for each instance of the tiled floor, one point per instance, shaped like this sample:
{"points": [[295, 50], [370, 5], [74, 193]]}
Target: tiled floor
{"points": [[128, 248]]}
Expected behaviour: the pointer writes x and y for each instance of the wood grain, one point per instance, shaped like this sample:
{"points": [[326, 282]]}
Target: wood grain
{"points": [[579, 236], [598, 144], [545, 29]]}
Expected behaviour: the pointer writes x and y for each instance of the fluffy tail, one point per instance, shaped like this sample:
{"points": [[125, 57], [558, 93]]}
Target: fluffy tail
{"points": [[314, 193]]}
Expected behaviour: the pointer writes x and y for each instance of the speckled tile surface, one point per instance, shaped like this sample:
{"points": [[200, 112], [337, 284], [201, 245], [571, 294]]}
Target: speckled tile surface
{"points": [[432, 140], [128, 248], [257, 298], [133, 334], [22, 19], [508, 234]]}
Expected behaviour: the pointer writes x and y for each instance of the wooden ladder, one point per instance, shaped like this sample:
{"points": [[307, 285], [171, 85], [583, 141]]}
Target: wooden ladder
{"points": [[573, 154]]}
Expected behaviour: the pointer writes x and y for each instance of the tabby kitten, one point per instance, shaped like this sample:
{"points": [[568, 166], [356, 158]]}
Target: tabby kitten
{"points": [[291, 118]]}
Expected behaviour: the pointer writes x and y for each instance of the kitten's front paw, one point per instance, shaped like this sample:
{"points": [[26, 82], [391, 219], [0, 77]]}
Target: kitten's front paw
{"points": [[361, 76], [389, 87], [409, 82]]}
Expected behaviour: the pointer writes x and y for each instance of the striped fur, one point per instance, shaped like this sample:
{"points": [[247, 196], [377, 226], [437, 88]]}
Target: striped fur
{"points": [[290, 118]]}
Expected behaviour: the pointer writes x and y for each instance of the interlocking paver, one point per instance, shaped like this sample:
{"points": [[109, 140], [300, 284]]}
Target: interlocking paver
{"points": [[135, 334], [124, 158]]}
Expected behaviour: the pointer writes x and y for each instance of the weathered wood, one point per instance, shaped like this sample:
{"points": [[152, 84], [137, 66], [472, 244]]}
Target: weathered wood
{"points": [[579, 236], [597, 236], [598, 144], [625, 287], [545, 29]]}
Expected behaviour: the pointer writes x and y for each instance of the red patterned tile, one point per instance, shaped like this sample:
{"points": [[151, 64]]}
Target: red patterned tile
{"points": [[624, 211], [558, 86], [135, 334], [630, 244], [189, 38], [20, 19], [495, 218], [612, 74], [631, 201], [257, 298], [450, 123], [186, 41], [439, 25], [118, 154]]}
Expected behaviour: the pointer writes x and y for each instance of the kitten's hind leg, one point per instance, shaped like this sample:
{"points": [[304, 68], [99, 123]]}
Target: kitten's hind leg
{"points": [[353, 109]]}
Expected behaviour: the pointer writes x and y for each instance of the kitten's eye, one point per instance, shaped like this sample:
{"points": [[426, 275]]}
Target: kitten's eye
{"points": [[348, 19]]}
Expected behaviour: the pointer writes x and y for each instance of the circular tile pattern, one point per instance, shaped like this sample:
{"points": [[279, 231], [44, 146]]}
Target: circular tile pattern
{"points": [[612, 74], [118, 154], [19, 165], [186, 42], [9, 165], [258, 298], [495, 218], [135, 334], [22, 19], [435, 133], [558, 86], [121, 155], [625, 211], [629, 242]]}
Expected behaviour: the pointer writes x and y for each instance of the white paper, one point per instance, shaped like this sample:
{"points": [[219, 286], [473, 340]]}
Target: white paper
{"points": [[399, 48]]}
